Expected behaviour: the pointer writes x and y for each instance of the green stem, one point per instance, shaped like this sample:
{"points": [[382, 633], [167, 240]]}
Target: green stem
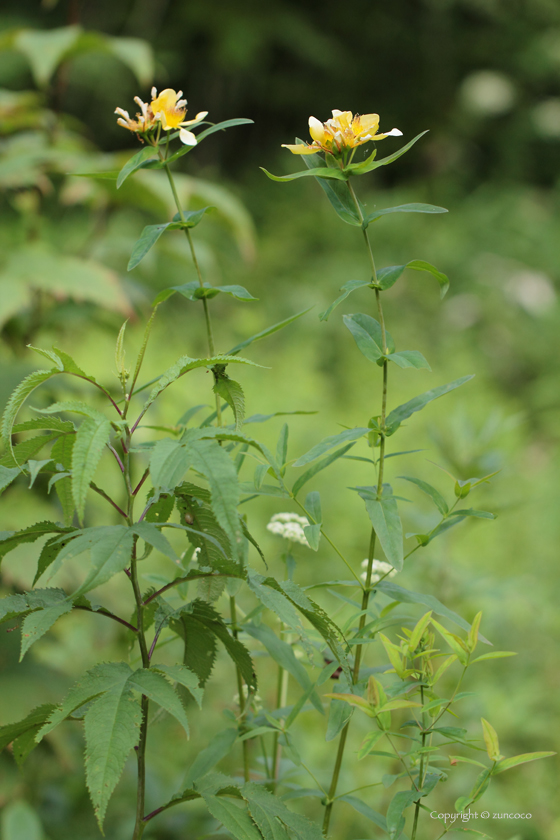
{"points": [[281, 700], [366, 591], [242, 701], [421, 770]]}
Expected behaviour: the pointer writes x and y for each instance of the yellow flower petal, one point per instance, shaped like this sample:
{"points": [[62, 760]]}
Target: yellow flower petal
{"points": [[300, 149], [316, 129]]}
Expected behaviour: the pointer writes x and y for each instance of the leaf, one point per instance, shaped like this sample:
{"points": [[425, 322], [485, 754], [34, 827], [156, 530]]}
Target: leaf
{"points": [[18, 397], [7, 475], [20, 822], [37, 623], [45, 49], [422, 265], [112, 725], [319, 172], [398, 593], [430, 491], [153, 536], [478, 514], [220, 746], [346, 290], [221, 126], [91, 439], [26, 450], [207, 616], [494, 654], [403, 412], [169, 462], [235, 819], [386, 522], [409, 358], [330, 443], [206, 535], [111, 549], [275, 601], [51, 424], [284, 656], [402, 208], [185, 677], [264, 804], [369, 743], [232, 392], [194, 291], [364, 809], [337, 193], [138, 161], [155, 686], [151, 234], [34, 719], [368, 165], [268, 331], [186, 364], [508, 763], [62, 452], [321, 465], [136, 53], [455, 643], [491, 741], [367, 334], [199, 645], [340, 713], [399, 803], [11, 539]]}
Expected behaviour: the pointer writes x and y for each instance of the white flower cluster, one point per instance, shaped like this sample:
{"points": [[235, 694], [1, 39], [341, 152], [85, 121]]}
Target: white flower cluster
{"points": [[289, 526], [379, 569]]}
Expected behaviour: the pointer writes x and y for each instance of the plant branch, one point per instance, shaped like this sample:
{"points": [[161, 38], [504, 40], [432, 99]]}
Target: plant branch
{"points": [[107, 498], [107, 614]]}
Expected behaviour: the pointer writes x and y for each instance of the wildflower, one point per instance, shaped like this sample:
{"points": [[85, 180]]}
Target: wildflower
{"points": [[170, 110], [289, 526], [341, 133], [144, 119], [379, 569]]}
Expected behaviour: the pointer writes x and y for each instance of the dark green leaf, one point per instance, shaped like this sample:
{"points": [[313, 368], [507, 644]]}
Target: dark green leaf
{"points": [[386, 522], [260, 802], [235, 819], [11, 539], [368, 336], [38, 622], [368, 165], [346, 290], [137, 161], [337, 193], [232, 392], [34, 719]]}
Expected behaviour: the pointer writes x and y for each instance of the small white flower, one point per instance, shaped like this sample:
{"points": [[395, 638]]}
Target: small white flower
{"points": [[289, 526], [379, 569]]}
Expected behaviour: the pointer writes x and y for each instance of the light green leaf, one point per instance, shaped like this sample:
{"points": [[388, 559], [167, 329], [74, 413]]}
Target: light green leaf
{"points": [[491, 741], [111, 548], [340, 713], [275, 601], [169, 462], [346, 290], [494, 654], [399, 803], [369, 165], [402, 208], [61, 453], [152, 535], [478, 514], [45, 49], [232, 392], [367, 334], [22, 452], [430, 491], [18, 397], [36, 718], [409, 358], [321, 465], [403, 412], [138, 161], [508, 763], [91, 439], [369, 743], [386, 522], [151, 234], [330, 443], [185, 677], [11, 539], [137, 54], [7, 475], [20, 822], [268, 331]]}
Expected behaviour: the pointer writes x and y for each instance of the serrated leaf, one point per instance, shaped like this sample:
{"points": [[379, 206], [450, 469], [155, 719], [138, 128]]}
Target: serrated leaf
{"points": [[37, 623], [275, 601], [169, 462], [346, 290], [199, 652], [206, 535], [232, 392], [403, 412], [155, 686], [34, 719], [7, 475], [26, 450], [330, 443], [111, 548], [18, 397], [91, 439], [264, 805], [220, 746], [153, 536], [235, 819], [62, 454], [430, 491], [185, 677], [11, 539], [384, 517]]}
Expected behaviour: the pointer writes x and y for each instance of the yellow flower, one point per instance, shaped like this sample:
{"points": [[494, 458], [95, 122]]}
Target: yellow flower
{"points": [[144, 120], [341, 133], [170, 110]]}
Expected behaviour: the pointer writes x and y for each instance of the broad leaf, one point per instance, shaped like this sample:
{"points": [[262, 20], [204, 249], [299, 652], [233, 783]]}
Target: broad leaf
{"points": [[403, 412], [367, 334], [138, 161], [110, 547]]}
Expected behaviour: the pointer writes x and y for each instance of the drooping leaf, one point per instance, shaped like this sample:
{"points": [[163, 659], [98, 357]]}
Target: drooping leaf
{"points": [[35, 718], [275, 600], [7, 475], [232, 392], [330, 443], [337, 192], [400, 801], [320, 172], [18, 397], [403, 412], [91, 439], [386, 522], [430, 491], [183, 676], [11, 539], [151, 234], [154, 537], [194, 291], [138, 161], [22, 452]]}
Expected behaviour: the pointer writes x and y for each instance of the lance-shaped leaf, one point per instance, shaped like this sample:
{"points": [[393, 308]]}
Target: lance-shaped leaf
{"points": [[194, 291], [140, 160], [402, 208], [265, 808], [154, 685], [22, 733], [456, 644], [491, 741], [151, 234], [384, 517], [369, 165], [329, 443], [430, 491], [399, 803], [183, 676], [275, 601], [337, 192], [234, 818], [26, 450], [220, 746], [508, 763], [221, 126], [403, 412], [387, 277], [320, 172], [409, 359], [346, 290], [62, 453], [268, 331], [7, 475], [18, 397], [232, 392], [38, 622], [91, 439], [110, 547], [153, 536], [321, 465], [169, 462], [11, 539]]}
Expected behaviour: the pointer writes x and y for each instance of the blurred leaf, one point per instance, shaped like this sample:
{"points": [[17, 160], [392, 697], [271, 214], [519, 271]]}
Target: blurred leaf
{"points": [[234, 818], [402, 208], [320, 172], [220, 746], [430, 491], [409, 358], [268, 331], [395, 812], [137, 54], [152, 233], [337, 193], [491, 741], [91, 438], [403, 412], [45, 49], [20, 822], [508, 763], [37, 623], [141, 159], [266, 808], [386, 522], [330, 443], [368, 166], [320, 465], [346, 290]]}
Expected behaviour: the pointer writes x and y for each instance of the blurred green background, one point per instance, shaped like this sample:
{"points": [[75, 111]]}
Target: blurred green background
{"points": [[484, 77]]}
